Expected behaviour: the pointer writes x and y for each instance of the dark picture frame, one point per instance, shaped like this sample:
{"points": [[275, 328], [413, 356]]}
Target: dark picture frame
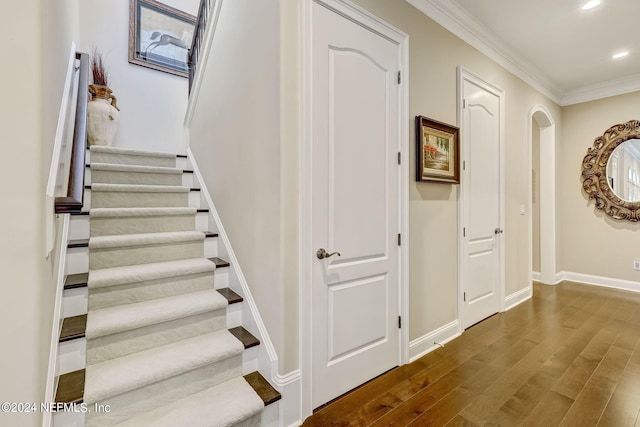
{"points": [[437, 151], [160, 36]]}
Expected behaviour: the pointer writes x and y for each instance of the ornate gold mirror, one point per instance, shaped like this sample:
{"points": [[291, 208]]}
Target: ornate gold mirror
{"points": [[611, 171]]}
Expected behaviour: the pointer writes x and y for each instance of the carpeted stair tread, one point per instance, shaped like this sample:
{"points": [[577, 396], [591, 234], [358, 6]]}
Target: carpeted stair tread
{"points": [[114, 167], [73, 328], [223, 405], [140, 212], [144, 272], [130, 152], [117, 376], [126, 317], [139, 188], [124, 240]]}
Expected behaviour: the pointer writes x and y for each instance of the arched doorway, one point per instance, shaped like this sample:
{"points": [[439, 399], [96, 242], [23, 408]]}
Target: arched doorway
{"points": [[542, 131]]}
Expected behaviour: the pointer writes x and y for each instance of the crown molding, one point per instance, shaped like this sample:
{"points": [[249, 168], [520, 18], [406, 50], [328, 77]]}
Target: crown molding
{"points": [[458, 21], [602, 90]]}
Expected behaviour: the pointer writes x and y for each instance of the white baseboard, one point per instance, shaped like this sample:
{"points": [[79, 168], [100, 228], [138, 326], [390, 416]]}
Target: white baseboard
{"points": [[535, 275], [607, 282], [289, 386], [517, 297], [427, 343]]}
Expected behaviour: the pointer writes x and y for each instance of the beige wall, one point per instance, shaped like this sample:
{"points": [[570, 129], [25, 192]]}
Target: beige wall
{"points": [[591, 242], [26, 277], [152, 103], [236, 139], [434, 55]]}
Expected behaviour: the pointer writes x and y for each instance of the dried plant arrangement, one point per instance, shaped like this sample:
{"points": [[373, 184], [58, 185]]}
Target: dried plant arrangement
{"points": [[98, 69]]}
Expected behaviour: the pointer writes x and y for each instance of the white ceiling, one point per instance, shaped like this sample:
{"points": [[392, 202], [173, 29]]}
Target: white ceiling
{"points": [[554, 45]]}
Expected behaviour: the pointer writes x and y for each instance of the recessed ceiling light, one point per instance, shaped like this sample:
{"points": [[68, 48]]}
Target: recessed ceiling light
{"points": [[591, 4], [620, 54]]}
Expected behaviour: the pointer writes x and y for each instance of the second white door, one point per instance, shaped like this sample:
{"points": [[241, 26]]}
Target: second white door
{"points": [[482, 233]]}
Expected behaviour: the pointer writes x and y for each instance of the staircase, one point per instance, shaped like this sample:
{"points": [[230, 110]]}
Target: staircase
{"points": [[152, 333]]}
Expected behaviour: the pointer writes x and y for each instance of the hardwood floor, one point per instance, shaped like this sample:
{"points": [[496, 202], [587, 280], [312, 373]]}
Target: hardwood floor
{"points": [[570, 356]]}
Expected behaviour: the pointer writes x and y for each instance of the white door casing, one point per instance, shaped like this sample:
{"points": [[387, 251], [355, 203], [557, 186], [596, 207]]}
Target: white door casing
{"points": [[481, 199], [547, 194], [356, 201]]}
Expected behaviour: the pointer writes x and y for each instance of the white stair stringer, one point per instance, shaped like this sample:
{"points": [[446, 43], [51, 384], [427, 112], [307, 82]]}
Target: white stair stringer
{"points": [[135, 384], [266, 359]]}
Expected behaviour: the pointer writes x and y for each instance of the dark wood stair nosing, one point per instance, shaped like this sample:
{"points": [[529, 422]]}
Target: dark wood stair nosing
{"points": [[231, 296], [219, 262], [71, 387], [73, 328], [181, 156], [78, 243], [245, 337], [261, 386], [73, 281], [210, 234]]}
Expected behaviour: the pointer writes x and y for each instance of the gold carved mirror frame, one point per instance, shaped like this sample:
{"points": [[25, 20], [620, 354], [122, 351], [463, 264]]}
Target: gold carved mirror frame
{"points": [[594, 172]]}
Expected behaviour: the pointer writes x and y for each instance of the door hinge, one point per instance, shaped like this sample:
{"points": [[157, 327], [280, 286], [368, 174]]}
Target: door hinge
{"points": [[399, 322], [399, 239], [399, 157], [464, 296], [464, 103], [464, 165], [399, 77], [464, 232]]}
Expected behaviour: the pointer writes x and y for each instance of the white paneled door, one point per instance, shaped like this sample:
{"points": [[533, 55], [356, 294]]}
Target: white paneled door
{"points": [[481, 201], [354, 204]]}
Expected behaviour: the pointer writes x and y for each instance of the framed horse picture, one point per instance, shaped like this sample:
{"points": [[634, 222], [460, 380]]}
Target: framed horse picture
{"points": [[160, 36], [437, 151]]}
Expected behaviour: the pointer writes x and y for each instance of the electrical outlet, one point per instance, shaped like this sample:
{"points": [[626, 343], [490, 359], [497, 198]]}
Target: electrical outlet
{"points": [[636, 264]]}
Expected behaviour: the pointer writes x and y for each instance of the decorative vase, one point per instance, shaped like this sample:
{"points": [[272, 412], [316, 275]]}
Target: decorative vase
{"points": [[103, 114]]}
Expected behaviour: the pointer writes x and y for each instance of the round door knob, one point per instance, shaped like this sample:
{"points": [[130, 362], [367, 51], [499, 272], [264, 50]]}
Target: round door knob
{"points": [[322, 253]]}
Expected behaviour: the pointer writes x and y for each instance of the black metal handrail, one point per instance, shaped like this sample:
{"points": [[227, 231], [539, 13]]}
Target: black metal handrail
{"points": [[74, 199], [198, 38]]}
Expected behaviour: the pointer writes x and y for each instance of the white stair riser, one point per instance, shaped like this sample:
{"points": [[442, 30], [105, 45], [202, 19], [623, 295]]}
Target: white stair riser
{"points": [[234, 315], [74, 302], [69, 419], [187, 180], [162, 392], [72, 355], [79, 227], [111, 296], [132, 255], [249, 360], [77, 260], [195, 200], [140, 339], [183, 163], [127, 159], [144, 178]]}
